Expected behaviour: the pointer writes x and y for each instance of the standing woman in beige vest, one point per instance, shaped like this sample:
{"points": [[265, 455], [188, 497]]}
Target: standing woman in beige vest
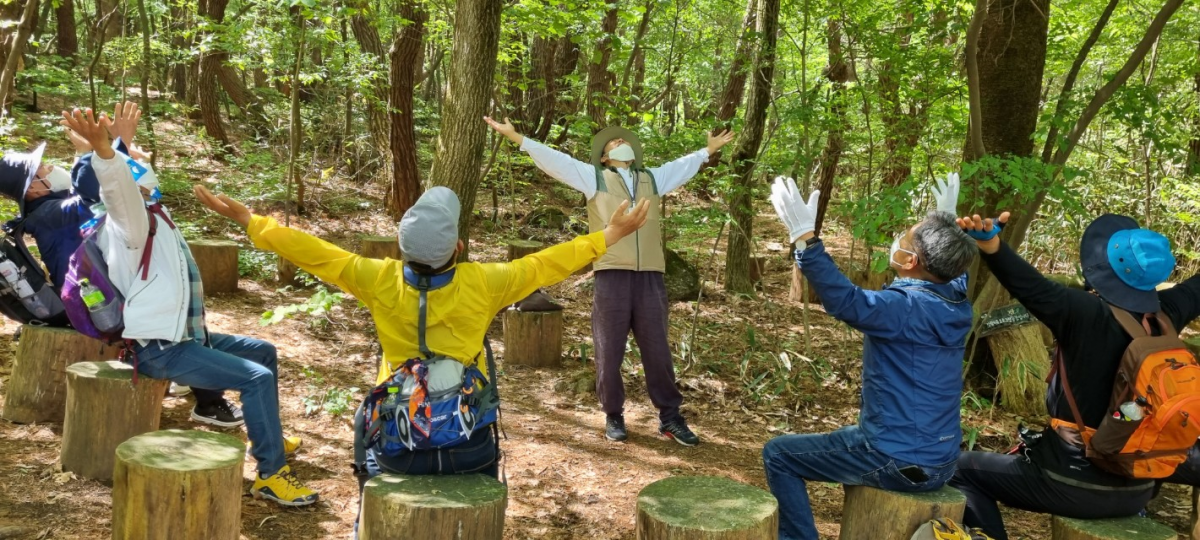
{"points": [[630, 293]]}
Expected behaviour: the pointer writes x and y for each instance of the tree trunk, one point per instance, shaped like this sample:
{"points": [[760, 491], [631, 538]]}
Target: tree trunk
{"points": [[683, 508], [379, 247], [533, 338], [1062, 528], [433, 507], [905, 119], [184, 485], [218, 264], [838, 73], [208, 88], [406, 178], [459, 155], [37, 388], [564, 62], [885, 515], [735, 84], [364, 31], [66, 35], [599, 78], [104, 409], [741, 200], [12, 62]]}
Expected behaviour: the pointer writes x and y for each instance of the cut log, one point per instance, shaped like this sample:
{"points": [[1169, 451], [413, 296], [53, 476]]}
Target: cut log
{"points": [[104, 409], [453, 507], [218, 263], [521, 248], [533, 338], [37, 389], [705, 508], [380, 247], [184, 485], [1130, 528], [887, 515]]}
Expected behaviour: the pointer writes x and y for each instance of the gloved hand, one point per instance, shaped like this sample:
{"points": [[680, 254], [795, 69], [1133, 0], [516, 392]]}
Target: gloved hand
{"points": [[945, 192], [799, 217]]}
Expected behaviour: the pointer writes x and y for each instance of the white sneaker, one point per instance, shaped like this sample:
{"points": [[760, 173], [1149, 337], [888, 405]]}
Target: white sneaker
{"points": [[178, 390]]}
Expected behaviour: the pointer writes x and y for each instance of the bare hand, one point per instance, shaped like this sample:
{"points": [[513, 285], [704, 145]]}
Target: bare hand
{"points": [[91, 129], [715, 142], [125, 121], [622, 224], [505, 129], [139, 153], [82, 146], [223, 205], [975, 223]]}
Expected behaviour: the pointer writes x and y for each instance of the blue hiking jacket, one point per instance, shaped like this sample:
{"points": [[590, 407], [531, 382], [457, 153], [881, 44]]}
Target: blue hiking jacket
{"points": [[914, 340], [54, 222]]}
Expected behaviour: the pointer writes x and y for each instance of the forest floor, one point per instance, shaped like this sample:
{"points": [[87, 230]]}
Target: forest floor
{"points": [[565, 479]]}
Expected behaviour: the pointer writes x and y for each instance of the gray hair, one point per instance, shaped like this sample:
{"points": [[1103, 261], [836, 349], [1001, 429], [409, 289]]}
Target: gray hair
{"points": [[947, 250]]}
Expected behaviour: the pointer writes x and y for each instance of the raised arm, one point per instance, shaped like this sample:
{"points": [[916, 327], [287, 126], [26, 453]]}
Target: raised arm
{"points": [[562, 167], [121, 196], [671, 176]]}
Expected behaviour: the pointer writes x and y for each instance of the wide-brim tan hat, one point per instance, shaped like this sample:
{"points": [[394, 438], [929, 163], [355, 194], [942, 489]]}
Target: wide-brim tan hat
{"points": [[616, 132]]}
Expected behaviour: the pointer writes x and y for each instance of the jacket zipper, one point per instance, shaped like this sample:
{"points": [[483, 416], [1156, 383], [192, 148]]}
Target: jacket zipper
{"points": [[637, 239]]}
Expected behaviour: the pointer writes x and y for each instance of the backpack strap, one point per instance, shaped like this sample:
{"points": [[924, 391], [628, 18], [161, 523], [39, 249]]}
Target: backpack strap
{"points": [[425, 283], [1132, 326], [1060, 369]]}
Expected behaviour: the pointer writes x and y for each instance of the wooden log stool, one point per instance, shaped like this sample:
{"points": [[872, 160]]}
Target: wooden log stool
{"points": [[433, 507], [182, 485], [1130, 528], [521, 248], [37, 389], [888, 515], [533, 338], [104, 409], [705, 508], [380, 247], [218, 264]]}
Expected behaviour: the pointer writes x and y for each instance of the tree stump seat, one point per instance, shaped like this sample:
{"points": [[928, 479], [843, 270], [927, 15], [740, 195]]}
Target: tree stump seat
{"points": [[889, 515], [218, 264], [705, 508], [104, 409], [449, 507], [37, 389], [380, 247], [182, 485], [533, 338], [1129, 528], [521, 248]]}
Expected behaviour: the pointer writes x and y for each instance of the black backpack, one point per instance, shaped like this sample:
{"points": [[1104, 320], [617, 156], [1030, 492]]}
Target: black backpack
{"points": [[26, 295]]}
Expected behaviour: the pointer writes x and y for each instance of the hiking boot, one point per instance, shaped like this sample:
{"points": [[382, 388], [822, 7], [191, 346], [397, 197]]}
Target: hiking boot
{"points": [[179, 390], [614, 428], [678, 431], [220, 414], [284, 488]]}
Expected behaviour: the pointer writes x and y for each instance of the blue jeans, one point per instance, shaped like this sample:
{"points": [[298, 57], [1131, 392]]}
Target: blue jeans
{"points": [[240, 363], [843, 456]]}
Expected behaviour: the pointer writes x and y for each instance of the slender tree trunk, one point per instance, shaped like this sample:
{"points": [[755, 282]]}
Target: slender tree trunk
{"points": [[210, 68], [741, 200], [18, 49], [564, 63], [517, 81], [838, 73], [599, 78], [179, 70], [295, 127], [147, 70], [905, 119], [66, 34], [377, 116], [727, 102], [456, 164], [406, 179]]}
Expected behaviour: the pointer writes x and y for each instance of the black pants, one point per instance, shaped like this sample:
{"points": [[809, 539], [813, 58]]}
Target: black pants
{"points": [[988, 478]]}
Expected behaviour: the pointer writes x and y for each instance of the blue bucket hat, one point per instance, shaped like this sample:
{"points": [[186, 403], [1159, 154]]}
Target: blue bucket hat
{"points": [[1124, 262], [17, 170]]}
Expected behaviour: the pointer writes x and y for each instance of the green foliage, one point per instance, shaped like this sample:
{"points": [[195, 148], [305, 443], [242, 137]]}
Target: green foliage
{"points": [[317, 307], [332, 400], [256, 264]]}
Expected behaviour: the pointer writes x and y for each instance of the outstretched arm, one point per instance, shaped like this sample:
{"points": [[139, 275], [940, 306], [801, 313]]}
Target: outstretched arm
{"points": [[675, 174], [118, 191], [578, 175]]}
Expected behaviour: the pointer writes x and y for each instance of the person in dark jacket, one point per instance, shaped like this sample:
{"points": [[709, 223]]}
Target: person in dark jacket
{"points": [[915, 332], [1052, 475]]}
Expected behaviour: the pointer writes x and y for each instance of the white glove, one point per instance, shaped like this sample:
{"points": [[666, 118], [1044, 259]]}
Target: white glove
{"points": [[945, 192], [800, 218]]}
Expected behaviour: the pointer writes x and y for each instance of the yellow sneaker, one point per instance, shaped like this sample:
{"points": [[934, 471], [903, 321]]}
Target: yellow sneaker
{"points": [[290, 445], [284, 488]]}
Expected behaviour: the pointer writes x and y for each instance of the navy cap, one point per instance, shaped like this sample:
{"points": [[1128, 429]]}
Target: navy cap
{"points": [[1124, 262]]}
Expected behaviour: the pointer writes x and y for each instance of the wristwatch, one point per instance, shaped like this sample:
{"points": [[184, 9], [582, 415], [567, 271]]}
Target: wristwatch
{"points": [[801, 246]]}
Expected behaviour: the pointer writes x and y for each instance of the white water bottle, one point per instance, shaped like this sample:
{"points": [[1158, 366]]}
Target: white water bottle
{"points": [[13, 276], [1132, 411]]}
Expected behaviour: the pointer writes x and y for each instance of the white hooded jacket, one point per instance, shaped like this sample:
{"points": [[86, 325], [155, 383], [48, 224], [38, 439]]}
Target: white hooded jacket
{"points": [[155, 308]]}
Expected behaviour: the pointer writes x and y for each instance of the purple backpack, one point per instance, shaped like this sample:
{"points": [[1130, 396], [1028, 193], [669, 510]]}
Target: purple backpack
{"points": [[93, 304]]}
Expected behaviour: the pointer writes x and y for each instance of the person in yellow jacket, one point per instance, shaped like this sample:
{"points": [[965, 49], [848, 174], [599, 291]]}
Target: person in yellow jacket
{"points": [[458, 314]]}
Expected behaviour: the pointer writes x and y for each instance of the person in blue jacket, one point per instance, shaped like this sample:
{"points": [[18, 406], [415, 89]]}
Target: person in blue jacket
{"points": [[915, 331]]}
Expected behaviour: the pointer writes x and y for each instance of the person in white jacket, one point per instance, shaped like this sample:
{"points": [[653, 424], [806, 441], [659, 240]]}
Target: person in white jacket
{"points": [[150, 264]]}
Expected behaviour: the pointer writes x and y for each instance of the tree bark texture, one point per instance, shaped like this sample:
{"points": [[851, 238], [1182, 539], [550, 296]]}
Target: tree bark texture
{"points": [[838, 73], [364, 31], [218, 263], [12, 62], [460, 142], [104, 409], [552, 61], [705, 508], [210, 67], [176, 484], [37, 389], [65, 30], [884, 515], [741, 200], [1062, 528], [533, 338], [405, 66], [433, 507], [904, 116], [599, 78], [735, 84]]}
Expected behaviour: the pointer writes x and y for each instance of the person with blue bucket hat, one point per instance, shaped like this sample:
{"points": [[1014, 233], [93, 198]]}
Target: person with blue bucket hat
{"points": [[1122, 266]]}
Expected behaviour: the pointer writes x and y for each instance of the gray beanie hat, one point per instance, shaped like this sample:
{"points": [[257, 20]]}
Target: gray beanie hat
{"points": [[429, 230]]}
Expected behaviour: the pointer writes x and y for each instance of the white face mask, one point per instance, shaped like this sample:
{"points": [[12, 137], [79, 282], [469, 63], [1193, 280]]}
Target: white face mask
{"points": [[624, 152], [896, 248], [59, 179]]}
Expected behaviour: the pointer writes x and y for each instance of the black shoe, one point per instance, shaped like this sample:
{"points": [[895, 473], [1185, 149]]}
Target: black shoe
{"points": [[679, 432], [221, 414], [614, 428]]}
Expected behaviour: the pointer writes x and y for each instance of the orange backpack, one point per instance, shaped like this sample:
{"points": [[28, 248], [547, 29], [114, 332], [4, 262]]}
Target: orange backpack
{"points": [[1162, 377]]}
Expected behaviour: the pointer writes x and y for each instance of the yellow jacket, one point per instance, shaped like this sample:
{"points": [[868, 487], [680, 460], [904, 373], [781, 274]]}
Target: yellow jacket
{"points": [[458, 314]]}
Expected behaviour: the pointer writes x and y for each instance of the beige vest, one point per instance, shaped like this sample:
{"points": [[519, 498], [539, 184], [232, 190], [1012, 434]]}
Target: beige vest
{"points": [[642, 250]]}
